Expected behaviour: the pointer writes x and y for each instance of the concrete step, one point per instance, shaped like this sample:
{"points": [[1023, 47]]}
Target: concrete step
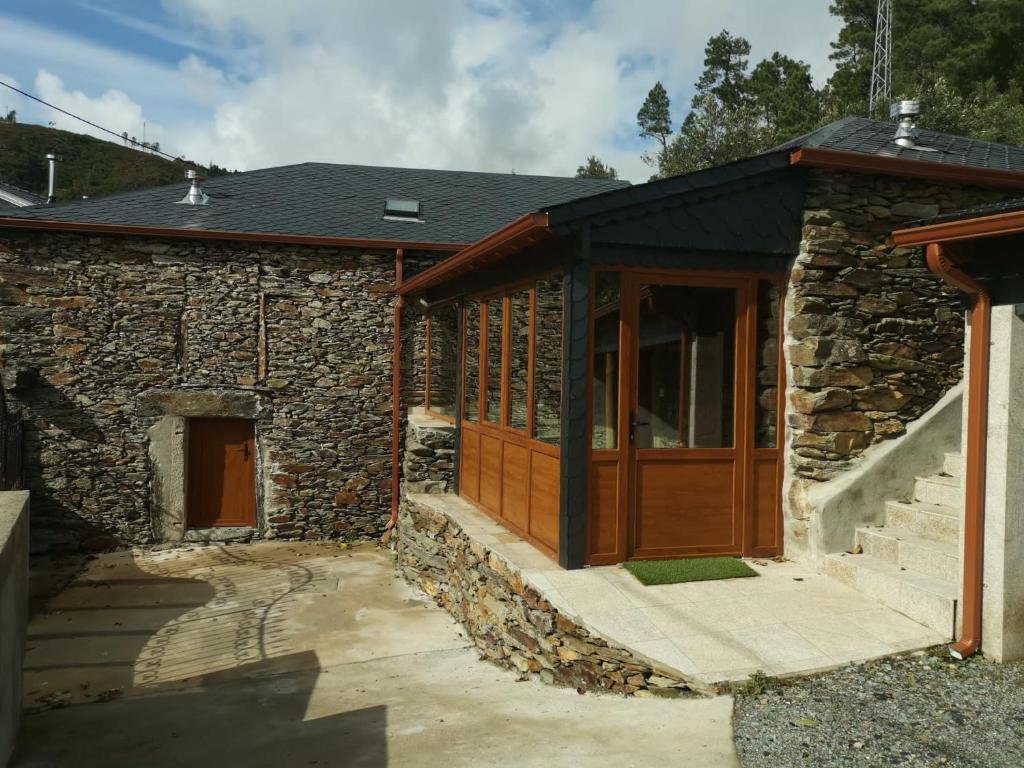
{"points": [[928, 601], [930, 521], [939, 489], [938, 559], [953, 465]]}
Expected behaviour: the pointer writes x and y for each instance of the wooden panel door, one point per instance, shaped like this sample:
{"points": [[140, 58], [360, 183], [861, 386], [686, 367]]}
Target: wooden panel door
{"points": [[687, 441], [221, 473]]}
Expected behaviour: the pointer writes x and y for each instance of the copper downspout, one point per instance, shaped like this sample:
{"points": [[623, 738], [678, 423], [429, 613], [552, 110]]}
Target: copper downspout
{"points": [[396, 392], [975, 460]]}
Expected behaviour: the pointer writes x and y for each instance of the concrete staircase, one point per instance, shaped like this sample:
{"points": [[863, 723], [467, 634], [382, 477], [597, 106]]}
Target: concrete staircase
{"points": [[912, 563]]}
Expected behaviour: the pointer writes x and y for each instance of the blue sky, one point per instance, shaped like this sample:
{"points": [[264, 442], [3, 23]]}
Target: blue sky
{"points": [[529, 85]]}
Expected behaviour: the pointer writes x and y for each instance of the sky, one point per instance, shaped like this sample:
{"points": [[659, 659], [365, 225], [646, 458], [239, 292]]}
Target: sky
{"points": [[531, 86]]}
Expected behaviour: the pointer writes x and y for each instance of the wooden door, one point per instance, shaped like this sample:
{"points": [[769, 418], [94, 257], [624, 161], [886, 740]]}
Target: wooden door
{"points": [[686, 436], [221, 473]]}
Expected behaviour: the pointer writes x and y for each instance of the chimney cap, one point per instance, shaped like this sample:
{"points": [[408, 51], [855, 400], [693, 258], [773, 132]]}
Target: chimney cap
{"points": [[195, 194], [905, 108]]}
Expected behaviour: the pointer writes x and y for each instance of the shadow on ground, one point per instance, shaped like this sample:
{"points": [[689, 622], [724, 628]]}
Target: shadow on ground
{"points": [[158, 660]]}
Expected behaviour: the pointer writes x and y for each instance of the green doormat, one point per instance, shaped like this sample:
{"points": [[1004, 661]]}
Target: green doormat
{"points": [[688, 569]]}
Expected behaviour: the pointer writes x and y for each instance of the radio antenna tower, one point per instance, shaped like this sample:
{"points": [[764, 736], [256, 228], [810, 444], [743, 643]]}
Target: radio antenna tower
{"points": [[881, 64]]}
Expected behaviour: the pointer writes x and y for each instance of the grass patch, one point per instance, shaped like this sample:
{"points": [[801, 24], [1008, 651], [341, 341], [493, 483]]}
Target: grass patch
{"points": [[688, 569]]}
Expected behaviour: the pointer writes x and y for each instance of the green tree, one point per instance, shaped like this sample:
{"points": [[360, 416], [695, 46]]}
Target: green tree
{"points": [[12, 116], [725, 70], [965, 43], [655, 121], [782, 91], [596, 169], [736, 113]]}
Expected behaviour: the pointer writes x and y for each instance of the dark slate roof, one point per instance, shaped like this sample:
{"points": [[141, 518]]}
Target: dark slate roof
{"points": [[327, 200], [874, 137], [31, 197], [990, 209]]}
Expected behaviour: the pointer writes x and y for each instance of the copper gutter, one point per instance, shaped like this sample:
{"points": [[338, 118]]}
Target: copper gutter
{"points": [[860, 162], [525, 231], [975, 459], [396, 392], [218, 234]]}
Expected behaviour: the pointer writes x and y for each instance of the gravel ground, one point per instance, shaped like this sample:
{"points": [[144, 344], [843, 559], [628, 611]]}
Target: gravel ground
{"points": [[925, 710]]}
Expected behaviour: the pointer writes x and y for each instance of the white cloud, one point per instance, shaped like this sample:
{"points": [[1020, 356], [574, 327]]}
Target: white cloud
{"points": [[112, 109], [472, 84]]}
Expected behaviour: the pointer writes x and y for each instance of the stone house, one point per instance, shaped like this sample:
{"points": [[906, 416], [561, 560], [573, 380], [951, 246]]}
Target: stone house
{"points": [[739, 361], [224, 368]]}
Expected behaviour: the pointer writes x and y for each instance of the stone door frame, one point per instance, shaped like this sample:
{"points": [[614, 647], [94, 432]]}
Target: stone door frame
{"points": [[168, 449]]}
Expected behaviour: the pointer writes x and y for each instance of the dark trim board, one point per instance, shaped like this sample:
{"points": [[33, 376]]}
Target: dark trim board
{"points": [[573, 491]]}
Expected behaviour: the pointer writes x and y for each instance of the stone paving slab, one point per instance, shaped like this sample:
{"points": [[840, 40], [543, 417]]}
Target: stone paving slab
{"points": [[789, 621]]}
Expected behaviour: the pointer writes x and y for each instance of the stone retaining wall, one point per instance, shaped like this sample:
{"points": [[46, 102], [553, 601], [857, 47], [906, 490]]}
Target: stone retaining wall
{"points": [[89, 324], [508, 618], [428, 465]]}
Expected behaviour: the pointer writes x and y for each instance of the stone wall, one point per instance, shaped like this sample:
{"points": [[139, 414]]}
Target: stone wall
{"points": [[507, 618], [428, 464], [87, 324], [874, 339]]}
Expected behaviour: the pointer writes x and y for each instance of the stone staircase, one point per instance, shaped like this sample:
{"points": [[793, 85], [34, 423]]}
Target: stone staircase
{"points": [[912, 563]]}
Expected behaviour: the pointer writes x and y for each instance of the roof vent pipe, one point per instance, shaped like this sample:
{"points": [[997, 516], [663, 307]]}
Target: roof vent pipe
{"points": [[195, 195], [51, 194], [906, 131]]}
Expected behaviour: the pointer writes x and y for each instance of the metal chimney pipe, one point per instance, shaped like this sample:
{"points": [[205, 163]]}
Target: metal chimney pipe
{"points": [[195, 194], [51, 194], [906, 131]]}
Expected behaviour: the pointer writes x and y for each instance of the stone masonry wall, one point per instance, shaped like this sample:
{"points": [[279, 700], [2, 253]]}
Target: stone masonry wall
{"points": [[89, 323], [874, 339], [509, 620], [428, 464]]}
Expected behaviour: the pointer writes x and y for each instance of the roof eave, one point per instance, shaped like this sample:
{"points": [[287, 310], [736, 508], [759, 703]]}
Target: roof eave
{"points": [[52, 225], [529, 229], [992, 225], [859, 162]]}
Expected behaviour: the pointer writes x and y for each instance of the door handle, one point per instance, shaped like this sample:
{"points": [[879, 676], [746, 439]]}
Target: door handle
{"points": [[633, 424]]}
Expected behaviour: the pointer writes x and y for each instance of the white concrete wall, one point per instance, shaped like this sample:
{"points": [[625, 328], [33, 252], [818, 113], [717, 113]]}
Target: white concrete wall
{"points": [[1003, 599], [13, 612]]}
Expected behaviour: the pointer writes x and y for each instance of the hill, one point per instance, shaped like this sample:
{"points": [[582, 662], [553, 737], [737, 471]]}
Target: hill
{"points": [[87, 166]]}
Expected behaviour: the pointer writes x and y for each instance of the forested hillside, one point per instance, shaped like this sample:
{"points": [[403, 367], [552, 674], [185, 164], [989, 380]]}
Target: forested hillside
{"points": [[88, 166]]}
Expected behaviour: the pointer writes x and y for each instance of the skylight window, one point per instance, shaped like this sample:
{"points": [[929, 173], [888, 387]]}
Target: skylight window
{"points": [[397, 209]]}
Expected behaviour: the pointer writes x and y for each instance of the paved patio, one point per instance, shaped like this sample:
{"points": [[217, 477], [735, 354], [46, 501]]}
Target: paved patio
{"points": [[301, 654], [788, 621]]}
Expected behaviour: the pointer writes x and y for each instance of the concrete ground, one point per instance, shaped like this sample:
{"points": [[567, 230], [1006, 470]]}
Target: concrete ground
{"points": [[307, 655]]}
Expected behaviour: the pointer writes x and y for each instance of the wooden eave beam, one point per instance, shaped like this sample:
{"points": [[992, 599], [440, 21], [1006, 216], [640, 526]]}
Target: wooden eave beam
{"points": [[964, 229], [527, 230], [860, 162], [217, 234]]}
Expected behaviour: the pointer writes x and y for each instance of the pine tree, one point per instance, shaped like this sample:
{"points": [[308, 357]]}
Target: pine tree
{"points": [[655, 122]]}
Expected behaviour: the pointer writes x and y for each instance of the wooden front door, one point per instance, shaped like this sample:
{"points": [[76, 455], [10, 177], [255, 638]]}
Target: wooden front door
{"points": [[685, 396], [221, 473]]}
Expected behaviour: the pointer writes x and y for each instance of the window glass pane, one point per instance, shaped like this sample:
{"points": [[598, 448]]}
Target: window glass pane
{"points": [[607, 292], [767, 419], [519, 357], [547, 353], [443, 333], [471, 398], [494, 329], [685, 377]]}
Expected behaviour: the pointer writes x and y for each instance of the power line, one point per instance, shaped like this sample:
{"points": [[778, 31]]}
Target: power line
{"points": [[89, 122]]}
